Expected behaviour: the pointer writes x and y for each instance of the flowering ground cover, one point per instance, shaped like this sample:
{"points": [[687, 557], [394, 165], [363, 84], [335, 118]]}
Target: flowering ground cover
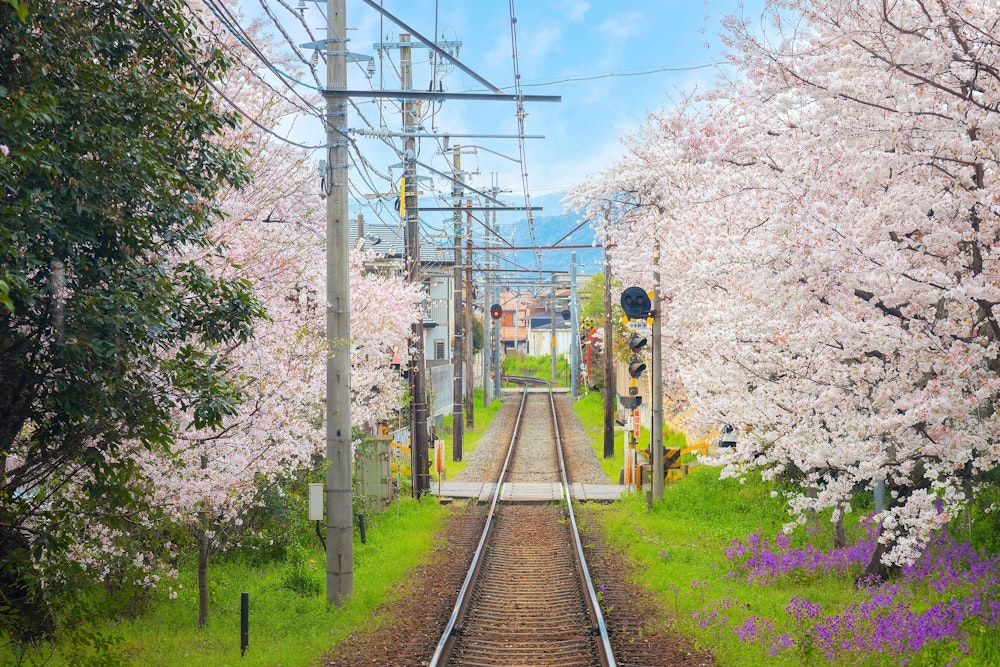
{"points": [[947, 604], [724, 572]]}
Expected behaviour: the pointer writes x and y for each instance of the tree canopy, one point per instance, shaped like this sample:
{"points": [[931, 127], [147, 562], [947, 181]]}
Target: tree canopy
{"points": [[825, 229], [109, 171]]}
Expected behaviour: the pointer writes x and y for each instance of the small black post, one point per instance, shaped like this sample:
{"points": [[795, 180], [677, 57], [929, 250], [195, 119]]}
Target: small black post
{"points": [[361, 527], [244, 622]]}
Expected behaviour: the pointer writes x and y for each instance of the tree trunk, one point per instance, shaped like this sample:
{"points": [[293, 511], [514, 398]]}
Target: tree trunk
{"points": [[839, 535], [811, 516], [23, 609], [877, 571], [203, 570], [203, 560]]}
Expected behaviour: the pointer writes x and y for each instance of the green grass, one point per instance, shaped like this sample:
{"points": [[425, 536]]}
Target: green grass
{"points": [[539, 367], [678, 548], [681, 545], [286, 628], [677, 553], [483, 415], [590, 410]]}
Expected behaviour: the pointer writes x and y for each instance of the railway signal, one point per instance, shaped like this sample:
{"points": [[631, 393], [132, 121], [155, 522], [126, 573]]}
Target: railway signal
{"points": [[636, 367], [496, 311], [636, 303]]}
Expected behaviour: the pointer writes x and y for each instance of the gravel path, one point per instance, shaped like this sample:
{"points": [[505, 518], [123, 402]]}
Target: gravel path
{"points": [[581, 459], [408, 627]]}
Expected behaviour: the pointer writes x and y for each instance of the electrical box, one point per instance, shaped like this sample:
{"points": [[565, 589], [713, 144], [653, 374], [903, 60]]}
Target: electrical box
{"points": [[315, 502]]}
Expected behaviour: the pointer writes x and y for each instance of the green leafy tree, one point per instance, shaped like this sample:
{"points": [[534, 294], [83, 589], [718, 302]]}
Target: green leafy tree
{"points": [[109, 166]]}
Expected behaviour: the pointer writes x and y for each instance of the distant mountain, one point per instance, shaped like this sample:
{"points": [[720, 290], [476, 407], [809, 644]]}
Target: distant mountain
{"points": [[551, 227]]}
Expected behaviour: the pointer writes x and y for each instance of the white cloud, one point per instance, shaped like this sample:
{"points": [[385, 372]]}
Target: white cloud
{"points": [[574, 10]]}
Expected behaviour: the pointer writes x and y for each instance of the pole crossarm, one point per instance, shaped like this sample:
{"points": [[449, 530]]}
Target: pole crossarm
{"points": [[500, 204], [482, 208], [431, 45], [441, 95]]}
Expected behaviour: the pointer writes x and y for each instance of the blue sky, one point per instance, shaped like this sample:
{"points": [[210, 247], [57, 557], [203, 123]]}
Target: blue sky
{"points": [[592, 53]]}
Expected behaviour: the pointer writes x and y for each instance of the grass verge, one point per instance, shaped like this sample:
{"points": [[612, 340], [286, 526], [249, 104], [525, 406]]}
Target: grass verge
{"points": [[483, 415], [291, 623]]}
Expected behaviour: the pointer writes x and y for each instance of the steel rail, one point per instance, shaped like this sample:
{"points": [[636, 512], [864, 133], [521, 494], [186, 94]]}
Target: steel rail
{"points": [[458, 613], [607, 655], [448, 636]]}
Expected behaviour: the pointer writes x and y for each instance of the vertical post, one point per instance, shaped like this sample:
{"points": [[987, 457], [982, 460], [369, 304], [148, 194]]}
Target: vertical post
{"points": [[487, 323], [418, 384], [496, 337], [574, 356], [517, 319], [244, 622], [470, 385], [457, 345], [339, 523], [552, 327], [656, 449], [496, 325], [610, 390]]}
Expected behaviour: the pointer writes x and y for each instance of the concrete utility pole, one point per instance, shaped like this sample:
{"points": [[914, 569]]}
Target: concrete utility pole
{"points": [[574, 314], [457, 345], [657, 381], [339, 517], [418, 381], [610, 390]]}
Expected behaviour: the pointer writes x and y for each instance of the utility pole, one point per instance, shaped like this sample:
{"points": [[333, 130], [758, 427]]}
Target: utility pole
{"points": [[339, 517], [457, 344], [657, 380], [610, 390], [496, 324], [496, 340], [470, 385], [418, 383], [574, 314], [517, 318], [552, 326], [487, 323]]}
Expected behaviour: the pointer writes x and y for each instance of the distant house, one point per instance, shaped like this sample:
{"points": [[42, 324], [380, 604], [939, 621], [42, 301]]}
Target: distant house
{"points": [[437, 270]]}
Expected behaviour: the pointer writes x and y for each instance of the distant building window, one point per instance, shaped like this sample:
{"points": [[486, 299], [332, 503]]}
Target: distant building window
{"points": [[439, 349]]}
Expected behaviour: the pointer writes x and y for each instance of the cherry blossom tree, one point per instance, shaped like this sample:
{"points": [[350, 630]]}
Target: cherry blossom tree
{"points": [[274, 234], [825, 230], [267, 385]]}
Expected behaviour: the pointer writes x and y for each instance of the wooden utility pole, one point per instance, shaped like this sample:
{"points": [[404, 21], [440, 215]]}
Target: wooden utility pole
{"points": [[552, 326], [339, 517], [487, 322], [418, 381], [470, 385], [458, 347]]}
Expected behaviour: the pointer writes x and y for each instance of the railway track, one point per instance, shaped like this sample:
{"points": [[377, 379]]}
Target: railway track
{"points": [[527, 598]]}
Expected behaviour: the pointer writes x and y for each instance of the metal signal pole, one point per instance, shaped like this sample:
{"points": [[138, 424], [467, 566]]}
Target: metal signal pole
{"points": [[574, 364], [610, 390], [657, 382], [339, 517]]}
